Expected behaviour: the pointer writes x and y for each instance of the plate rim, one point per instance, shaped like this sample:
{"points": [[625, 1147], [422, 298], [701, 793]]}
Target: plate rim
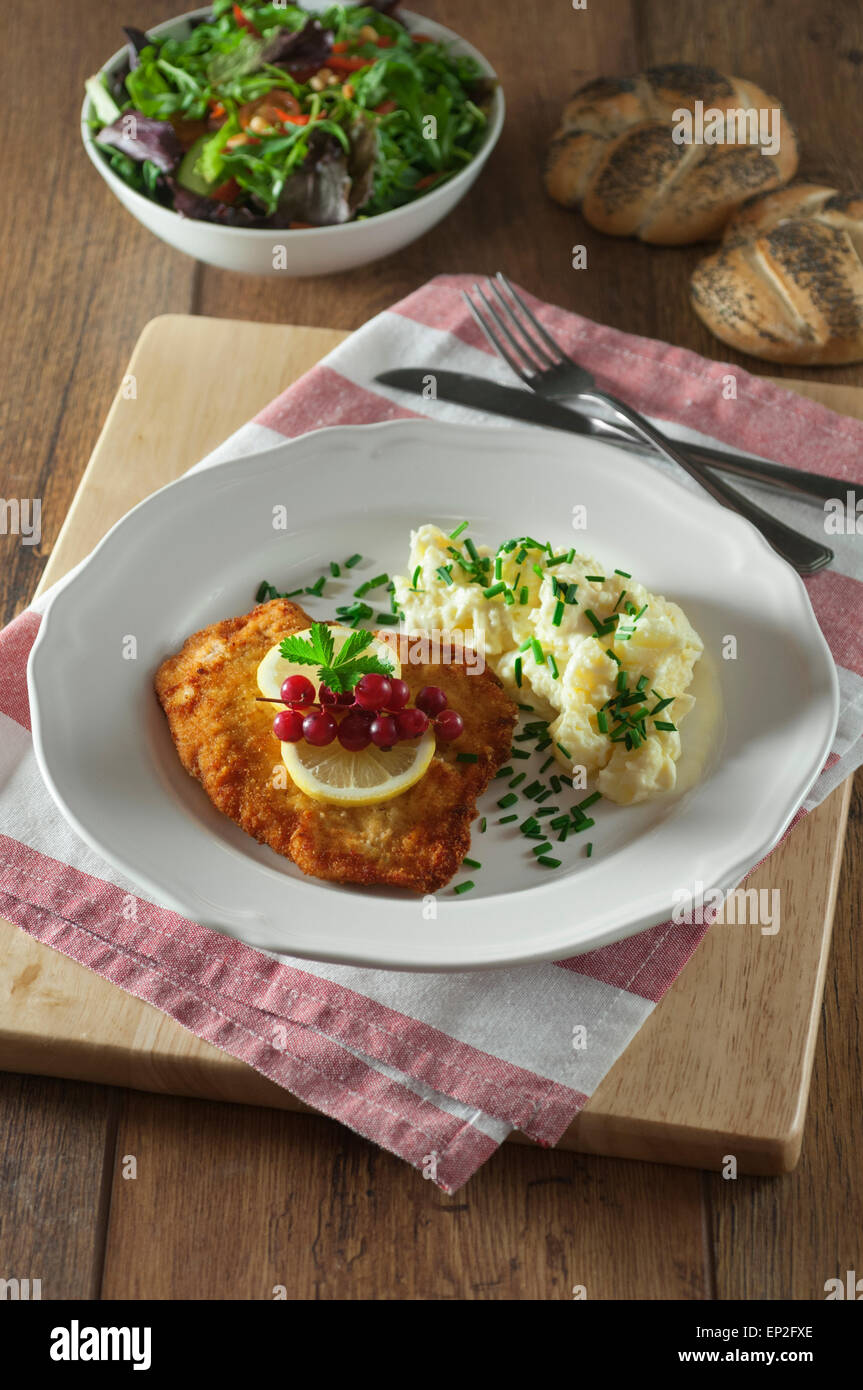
{"points": [[203, 477]]}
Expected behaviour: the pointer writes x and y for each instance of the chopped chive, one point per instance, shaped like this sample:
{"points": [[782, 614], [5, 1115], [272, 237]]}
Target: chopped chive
{"points": [[523, 594], [555, 784], [509, 598], [263, 589], [543, 795], [482, 825], [555, 674], [518, 671], [620, 597], [595, 578], [521, 556], [529, 708], [453, 535], [547, 810], [352, 560], [624, 573], [467, 757], [558, 613], [543, 744], [443, 573], [525, 646], [547, 861], [494, 589], [509, 800], [564, 831], [505, 820], [530, 825], [498, 567], [538, 653], [592, 618], [641, 683], [541, 848], [318, 587], [518, 779], [518, 753], [602, 722], [533, 789], [589, 801], [464, 887], [588, 849], [387, 619], [471, 550], [661, 724], [663, 704], [614, 657], [548, 762], [565, 751], [584, 824], [621, 680], [504, 772], [472, 863], [417, 572]]}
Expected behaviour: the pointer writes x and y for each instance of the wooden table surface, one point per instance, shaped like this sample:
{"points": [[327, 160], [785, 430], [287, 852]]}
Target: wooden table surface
{"points": [[230, 1201]]}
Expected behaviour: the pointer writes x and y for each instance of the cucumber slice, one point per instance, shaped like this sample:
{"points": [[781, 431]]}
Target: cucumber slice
{"points": [[186, 174]]}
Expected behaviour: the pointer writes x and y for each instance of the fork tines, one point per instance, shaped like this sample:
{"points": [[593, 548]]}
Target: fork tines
{"points": [[534, 349]]}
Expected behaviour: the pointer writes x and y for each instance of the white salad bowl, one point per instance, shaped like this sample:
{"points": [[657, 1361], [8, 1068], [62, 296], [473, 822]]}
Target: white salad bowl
{"points": [[307, 251]]}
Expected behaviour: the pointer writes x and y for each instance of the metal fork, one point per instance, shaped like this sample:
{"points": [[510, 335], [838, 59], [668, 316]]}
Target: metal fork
{"points": [[528, 348]]}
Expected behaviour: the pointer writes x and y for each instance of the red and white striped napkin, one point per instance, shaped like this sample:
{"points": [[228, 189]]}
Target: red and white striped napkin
{"points": [[436, 1068]]}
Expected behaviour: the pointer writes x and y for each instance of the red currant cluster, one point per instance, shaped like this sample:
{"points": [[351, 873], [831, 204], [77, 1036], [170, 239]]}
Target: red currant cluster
{"points": [[375, 711]]}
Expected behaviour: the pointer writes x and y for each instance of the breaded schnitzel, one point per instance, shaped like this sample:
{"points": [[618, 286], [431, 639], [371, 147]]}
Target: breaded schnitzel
{"points": [[224, 738]]}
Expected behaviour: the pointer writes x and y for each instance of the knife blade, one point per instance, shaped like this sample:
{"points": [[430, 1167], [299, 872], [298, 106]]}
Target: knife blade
{"points": [[515, 403]]}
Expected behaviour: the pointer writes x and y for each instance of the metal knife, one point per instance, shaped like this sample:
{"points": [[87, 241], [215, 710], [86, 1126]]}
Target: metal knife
{"points": [[478, 393]]}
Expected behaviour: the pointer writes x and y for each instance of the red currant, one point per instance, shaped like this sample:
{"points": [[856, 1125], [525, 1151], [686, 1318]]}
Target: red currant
{"points": [[288, 726], [384, 731], [372, 691], [431, 700], [354, 732], [400, 695], [327, 696], [449, 725], [297, 690], [411, 723], [319, 729]]}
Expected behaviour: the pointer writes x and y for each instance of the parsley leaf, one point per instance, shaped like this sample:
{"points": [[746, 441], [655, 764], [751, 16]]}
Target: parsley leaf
{"points": [[339, 670]]}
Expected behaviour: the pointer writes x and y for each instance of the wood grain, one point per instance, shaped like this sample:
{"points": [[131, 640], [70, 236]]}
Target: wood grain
{"points": [[702, 1077], [306, 1205], [80, 281], [55, 1151]]}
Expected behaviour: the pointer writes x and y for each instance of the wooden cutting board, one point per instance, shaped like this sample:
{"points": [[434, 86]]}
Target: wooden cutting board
{"points": [[723, 1064]]}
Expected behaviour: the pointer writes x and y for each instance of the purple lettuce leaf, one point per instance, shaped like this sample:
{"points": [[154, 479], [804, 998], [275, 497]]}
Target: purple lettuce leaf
{"points": [[330, 185], [203, 209], [308, 47], [141, 137], [318, 191], [138, 41]]}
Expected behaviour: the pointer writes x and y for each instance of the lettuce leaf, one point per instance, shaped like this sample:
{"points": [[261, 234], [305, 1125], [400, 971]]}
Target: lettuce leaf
{"points": [[140, 137]]}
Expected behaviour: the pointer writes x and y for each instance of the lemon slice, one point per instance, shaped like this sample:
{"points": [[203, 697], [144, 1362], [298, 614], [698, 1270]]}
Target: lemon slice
{"points": [[358, 779], [275, 669]]}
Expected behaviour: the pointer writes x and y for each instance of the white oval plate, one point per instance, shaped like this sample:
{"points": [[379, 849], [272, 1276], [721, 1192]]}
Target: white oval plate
{"points": [[195, 552]]}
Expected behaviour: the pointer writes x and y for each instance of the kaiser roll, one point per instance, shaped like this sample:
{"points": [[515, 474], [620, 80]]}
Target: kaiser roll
{"points": [[787, 282], [614, 156]]}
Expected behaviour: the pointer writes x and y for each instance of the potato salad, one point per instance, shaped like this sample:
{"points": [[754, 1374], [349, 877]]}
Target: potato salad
{"points": [[609, 662]]}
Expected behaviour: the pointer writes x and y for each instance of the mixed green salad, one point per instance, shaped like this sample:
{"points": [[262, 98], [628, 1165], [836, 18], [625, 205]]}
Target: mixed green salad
{"points": [[265, 115]]}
